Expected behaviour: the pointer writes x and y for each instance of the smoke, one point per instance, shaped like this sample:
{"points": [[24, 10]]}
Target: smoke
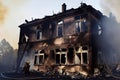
{"points": [[3, 12], [112, 6], [5, 7], [111, 40], [111, 25]]}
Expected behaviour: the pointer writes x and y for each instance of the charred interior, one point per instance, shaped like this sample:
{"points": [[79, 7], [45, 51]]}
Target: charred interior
{"points": [[67, 40]]}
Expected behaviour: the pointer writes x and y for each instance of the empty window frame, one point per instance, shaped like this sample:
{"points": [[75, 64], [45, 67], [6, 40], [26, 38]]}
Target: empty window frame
{"points": [[80, 26], [82, 55], [84, 58], [57, 58], [78, 58], [77, 26], [39, 35], [61, 56], [70, 55], [84, 27], [39, 58], [60, 29], [36, 60], [78, 55]]}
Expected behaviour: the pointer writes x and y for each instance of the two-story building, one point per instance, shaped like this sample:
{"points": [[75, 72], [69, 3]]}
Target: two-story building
{"points": [[67, 40]]}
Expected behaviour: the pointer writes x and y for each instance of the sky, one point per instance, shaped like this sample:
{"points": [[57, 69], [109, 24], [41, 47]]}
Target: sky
{"points": [[14, 12]]}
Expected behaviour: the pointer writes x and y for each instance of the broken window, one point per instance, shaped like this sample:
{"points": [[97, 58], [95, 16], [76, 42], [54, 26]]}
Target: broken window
{"points": [[60, 29], [39, 35], [61, 56], [80, 26], [83, 26], [82, 55], [57, 58], [78, 55], [36, 60], [70, 55], [39, 57], [84, 58], [78, 58], [77, 26]]}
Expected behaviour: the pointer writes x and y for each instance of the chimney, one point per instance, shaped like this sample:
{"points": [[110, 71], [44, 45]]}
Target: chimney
{"points": [[64, 7]]}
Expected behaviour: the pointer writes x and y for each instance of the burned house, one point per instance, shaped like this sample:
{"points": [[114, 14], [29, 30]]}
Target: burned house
{"points": [[64, 41]]}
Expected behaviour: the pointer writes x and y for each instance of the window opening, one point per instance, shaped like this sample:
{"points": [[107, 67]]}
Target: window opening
{"points": [[61, 56], [60, 29], [39, 35], [39, 57], [70, 55], [84, 56]]}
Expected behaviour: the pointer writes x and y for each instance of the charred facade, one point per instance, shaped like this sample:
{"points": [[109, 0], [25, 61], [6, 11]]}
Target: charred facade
{"points": [[64, 41]]}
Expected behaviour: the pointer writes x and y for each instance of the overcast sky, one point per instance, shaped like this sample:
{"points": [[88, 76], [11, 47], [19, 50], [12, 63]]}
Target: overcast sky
{"points": [[14, 12]]}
